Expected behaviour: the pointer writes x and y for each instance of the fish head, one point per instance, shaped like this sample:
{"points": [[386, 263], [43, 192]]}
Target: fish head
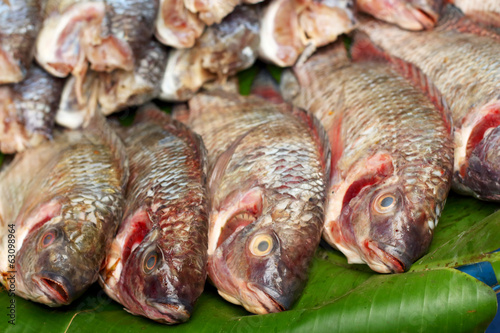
{"points": [[257, 262], [483, 170], [386, 228], [152, 283], [59, 260]]}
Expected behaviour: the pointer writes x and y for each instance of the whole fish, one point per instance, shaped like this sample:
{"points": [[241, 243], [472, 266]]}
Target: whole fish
{"points": [[392, 153], [290, 27], [408, 14], [267, 180], [27, 110], [156, 266], [104, 33], [462, 60], [20, 21], [223, 50], [62, 201]]}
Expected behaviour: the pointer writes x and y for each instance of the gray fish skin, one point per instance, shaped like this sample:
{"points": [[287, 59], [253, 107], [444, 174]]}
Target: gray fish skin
{"points": [[461, 58], [20, 21], [27, 110], [267, 176], [388, 142], [65, 201], [156, 265]]}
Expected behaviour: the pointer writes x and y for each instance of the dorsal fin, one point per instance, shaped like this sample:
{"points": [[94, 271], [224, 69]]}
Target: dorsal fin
{"points": [[364, 49], [453, 18]]}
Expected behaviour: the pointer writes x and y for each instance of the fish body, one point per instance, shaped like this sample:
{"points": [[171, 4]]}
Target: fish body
{"points": [[104, 33], [486, 11], [267, 172], [20, 21], [392, 156], [407, 14], [291, 27], [27, 110], [156, 265], [223, 50], [63, 200], [462, 60]]}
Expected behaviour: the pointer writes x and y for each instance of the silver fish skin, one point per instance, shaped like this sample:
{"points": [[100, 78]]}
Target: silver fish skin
{"points": [[64, 201], [20, 21], [104, 33], [267, 176], [27, 110], [407, 14], [392, 154], [156, 265], [223, 50], [461, 58]]}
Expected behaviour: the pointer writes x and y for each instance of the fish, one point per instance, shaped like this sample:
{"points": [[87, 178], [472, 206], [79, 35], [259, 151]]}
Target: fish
{"points": [[392, 152], [291, 27], [27, 110], [62, 201], [156, 265], [176, 26], [20, 21], [222, 51], [212, 12], [408, 14], [267, 167], [103, 33], [461, 58]]}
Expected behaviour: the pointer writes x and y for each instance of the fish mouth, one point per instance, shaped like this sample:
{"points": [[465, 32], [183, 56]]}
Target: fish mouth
{"points": [[55, 287], [385, 258], [170, 311]]}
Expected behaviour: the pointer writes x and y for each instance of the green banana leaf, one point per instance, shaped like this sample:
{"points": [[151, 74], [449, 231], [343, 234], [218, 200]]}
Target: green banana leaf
{"points": [[338, 297]]}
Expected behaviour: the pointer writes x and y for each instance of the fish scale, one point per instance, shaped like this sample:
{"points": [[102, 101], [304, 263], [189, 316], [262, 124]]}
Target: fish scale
{"points": [[384, 135]]}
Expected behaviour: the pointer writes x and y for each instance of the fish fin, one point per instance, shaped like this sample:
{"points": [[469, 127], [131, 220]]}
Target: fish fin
{"points": [[453, 18], [266, 87], [317, 132], [364, 49], [217, 171], [98, 127], [336, 143]]}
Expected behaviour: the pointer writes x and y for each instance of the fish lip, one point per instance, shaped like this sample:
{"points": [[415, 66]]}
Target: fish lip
{"points": [[171, 311], [56, 287], [389, 256], [273, 302]]}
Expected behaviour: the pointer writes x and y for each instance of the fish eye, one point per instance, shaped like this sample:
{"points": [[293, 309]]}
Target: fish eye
{"points": [[48, 238], [261, 245], [150, 261], [385, 203]]}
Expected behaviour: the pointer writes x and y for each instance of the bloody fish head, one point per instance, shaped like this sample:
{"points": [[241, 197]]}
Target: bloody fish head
{"points": [[257, 262], [482, 175], [59, 261], [378, 224], [153, 282]]}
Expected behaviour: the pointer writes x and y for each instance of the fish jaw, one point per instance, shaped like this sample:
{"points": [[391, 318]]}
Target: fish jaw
{"points": [[408, 14]]}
